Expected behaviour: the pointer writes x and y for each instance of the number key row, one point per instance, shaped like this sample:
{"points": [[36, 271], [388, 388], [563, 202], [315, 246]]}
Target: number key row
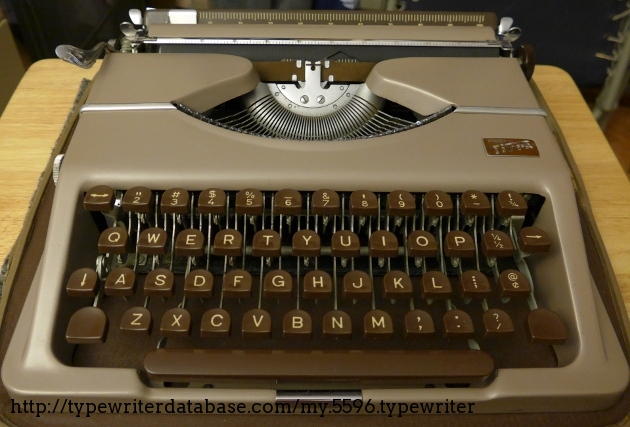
{"points": [[290, 202]]}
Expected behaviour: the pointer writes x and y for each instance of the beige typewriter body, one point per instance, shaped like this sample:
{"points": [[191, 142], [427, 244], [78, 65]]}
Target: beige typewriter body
{"points": [[130, 134]]}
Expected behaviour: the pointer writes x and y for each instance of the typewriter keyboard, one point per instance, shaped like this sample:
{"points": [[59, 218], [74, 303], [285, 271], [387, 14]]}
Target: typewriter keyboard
{"points": [[272, 288]]}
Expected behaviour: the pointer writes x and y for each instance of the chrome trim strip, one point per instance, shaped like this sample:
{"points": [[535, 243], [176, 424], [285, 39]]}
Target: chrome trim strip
{"points": [[128, 107], [502, 110], [283, 42], [317, 396]]}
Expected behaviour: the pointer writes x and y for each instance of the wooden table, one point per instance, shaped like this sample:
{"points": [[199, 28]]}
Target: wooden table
{"points": [[35, 116]]}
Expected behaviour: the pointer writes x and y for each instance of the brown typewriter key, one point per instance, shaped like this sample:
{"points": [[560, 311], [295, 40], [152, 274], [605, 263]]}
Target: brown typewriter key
{"points": [[256, 324], [363, 203], [249, 201], [159, 283], [287, 202], [152, 241], [421, 244], [175, 323], [435, 285], [383, 244], [277, 284], [99, 199], [397, 285], [138, 199], [474, 284], [458, 243], [337, 324], [198, 284], [533, 240], [297, 324], [229, 243], [137, 320], [513, 284], [401, 203], [306, 243], [497, 324], [497, 244], [190, 242], [237, 284], [545, 327], [418, 323], [175, 201], [88, 325], [83, 283], [215, 323], [437, 203], [266, 243], [357, 285], [325, 202], [212, 201], [378, 324], [345, 244], [114, 240], [317, 285], [475, 202], [458, 324], [510, 203], [121, 282]]}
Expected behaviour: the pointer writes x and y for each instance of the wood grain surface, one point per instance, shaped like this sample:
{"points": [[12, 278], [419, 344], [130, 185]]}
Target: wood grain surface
{"points": [[29, 128], [607, 185], [38, 109]]}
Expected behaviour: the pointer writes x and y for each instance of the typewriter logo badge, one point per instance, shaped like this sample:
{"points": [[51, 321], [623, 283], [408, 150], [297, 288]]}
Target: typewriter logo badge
{"points": [[510, 147]]}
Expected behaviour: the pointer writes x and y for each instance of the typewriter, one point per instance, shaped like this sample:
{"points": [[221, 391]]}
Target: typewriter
{"points": [[267, 206]]}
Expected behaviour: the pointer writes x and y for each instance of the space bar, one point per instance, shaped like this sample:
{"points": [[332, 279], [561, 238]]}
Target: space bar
{"points": [[361, 367]]}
